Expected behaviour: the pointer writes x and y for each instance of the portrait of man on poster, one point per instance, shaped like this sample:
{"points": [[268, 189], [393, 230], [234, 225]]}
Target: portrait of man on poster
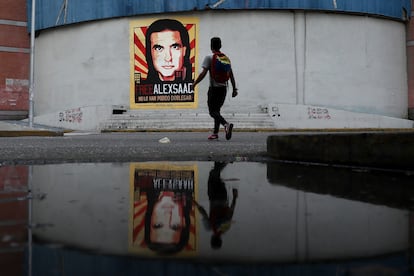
{"points": [[168, 49]]}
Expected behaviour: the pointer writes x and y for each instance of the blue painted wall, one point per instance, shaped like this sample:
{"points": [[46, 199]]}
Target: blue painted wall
{"points": [[49, 13], [48, 259]]}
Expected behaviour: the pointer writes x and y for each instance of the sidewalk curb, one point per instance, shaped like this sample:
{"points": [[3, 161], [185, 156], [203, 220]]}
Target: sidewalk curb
{"points": [[20, 133], [384, 149]]}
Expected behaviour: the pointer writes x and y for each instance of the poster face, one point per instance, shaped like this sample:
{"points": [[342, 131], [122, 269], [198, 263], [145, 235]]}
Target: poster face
{"points": [[163, 217], [163, 63]]}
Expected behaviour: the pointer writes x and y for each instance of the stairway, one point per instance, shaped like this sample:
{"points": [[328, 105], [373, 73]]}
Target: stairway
{"points": [[143, 120]]}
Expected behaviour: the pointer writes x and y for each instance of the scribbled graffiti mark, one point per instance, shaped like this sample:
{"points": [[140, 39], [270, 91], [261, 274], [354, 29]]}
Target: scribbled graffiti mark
{"points": [[318, 113], [71, 116]]}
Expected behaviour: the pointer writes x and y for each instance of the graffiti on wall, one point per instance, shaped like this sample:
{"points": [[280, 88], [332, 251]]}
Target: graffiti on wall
{"points": [[318, 113], [71, 116], [163, 54]]}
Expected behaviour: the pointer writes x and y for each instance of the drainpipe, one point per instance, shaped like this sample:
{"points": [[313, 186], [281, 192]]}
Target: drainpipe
{"points": [[31, 88], [410, 66]]}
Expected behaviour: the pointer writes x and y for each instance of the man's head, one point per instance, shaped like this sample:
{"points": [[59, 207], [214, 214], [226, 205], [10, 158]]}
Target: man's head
{"points": [[215, 44], [216, 241], [167, 50]]}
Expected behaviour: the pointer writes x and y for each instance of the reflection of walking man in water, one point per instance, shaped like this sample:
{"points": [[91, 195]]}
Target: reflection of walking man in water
{"points": [[221, 213]]}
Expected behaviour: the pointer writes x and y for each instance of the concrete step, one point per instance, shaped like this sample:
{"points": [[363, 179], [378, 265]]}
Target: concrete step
{"points": [[183, 120]]}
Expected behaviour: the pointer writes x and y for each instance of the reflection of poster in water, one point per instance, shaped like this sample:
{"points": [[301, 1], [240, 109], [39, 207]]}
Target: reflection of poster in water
{"points": [[163, 217], [163, 52]]}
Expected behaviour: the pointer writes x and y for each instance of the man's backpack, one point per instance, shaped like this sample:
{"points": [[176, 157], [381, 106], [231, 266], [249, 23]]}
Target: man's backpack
{"points": [[220, 67]]}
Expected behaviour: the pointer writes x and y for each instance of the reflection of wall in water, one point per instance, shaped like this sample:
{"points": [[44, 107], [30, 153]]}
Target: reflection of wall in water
{"points": [[393, 189], [13, 218], [88, 205]]}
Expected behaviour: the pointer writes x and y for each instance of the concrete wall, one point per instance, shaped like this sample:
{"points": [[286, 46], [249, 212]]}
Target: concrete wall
{"points": [[82, 65], [347, 62]]}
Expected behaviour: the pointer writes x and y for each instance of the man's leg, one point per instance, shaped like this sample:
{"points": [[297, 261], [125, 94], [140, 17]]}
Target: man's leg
{"points": [[216, 97]]}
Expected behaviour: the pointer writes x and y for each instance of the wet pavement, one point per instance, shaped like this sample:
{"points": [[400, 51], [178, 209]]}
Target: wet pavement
{"points": [[127, 147], [205, 217], [100, 203]]}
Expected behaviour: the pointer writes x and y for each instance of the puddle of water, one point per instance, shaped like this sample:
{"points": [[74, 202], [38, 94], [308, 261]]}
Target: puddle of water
{"points": [[240, 218]]}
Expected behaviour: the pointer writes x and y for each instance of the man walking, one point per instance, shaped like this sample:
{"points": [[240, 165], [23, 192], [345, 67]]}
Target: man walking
{"points": [[218, 88]]}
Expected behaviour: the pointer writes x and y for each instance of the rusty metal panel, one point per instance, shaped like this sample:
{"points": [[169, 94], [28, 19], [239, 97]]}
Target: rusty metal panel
{"points": [[52, 13]]}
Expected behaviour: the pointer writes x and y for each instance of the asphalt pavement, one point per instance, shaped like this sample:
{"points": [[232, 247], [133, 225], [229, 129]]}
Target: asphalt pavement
{"points": [[132, 147], [382, 148]]}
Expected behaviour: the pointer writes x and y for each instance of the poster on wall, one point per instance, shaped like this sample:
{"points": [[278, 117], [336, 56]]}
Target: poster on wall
{"points": [[163, 216], [163, 63]]}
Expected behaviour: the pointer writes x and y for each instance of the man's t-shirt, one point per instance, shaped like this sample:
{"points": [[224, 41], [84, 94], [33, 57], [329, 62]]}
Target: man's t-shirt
{"points": [[207, 65]]}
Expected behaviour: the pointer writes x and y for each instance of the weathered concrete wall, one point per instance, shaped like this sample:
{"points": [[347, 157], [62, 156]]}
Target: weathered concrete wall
{"points": [[80, 118], [391, 150], [346, 62], [297, 116], [82, 65]]}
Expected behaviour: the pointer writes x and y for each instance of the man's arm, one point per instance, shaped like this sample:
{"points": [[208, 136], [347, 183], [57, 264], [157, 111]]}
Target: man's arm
{"points": [[200, 77], [233, 202], [202, 211], [233, 84]]}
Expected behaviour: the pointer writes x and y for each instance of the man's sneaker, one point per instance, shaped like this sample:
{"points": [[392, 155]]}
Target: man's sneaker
{"points": [[228, 128], [213, 137]]}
